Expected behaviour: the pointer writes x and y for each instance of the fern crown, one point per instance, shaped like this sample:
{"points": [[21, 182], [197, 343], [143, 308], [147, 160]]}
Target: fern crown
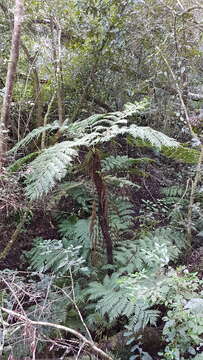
{"points": [[51, 164]]}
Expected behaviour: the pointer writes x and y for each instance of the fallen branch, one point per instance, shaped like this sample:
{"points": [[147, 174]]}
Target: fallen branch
{"points": [[25, 319]]}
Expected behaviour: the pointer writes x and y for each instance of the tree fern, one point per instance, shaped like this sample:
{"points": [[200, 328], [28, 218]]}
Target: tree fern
{"points": [[50, 166]]}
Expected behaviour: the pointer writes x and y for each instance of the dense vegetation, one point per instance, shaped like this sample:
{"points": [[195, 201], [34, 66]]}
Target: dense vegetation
{"points": [[101, 191]]}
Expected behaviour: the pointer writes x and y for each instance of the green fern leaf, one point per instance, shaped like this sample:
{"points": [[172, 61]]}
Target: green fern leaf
{"points": [[182, 153], [48, 168], [154, 137], [34, 134], [120, 163], [53, 255]]}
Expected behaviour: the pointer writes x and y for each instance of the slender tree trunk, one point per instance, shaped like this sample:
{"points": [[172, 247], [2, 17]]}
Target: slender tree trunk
{"points": [[37, 87], [103, 206], [56, 48], [12, 65]]}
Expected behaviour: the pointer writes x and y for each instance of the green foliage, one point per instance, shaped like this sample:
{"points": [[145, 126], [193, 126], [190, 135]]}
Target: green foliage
{"points": [[151, 251], [54, 255], [34, 134], [120, 182], [147, 255], [22, 161], [113, 301], [180, 293], [121, 217], [79, 191], [175, 191], [122, 163], [48, 168], [98, 55], [76, 232], [182, 153]]}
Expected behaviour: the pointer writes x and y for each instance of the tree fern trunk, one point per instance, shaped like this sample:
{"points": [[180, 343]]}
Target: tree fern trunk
{"points": [[103, 205]]}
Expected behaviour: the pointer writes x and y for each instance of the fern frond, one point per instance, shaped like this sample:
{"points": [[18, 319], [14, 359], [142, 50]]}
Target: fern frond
{"points": [[48, 168], [79, 191], [142, 317], [22, 161], [76, 232], [173, 191], [121, 216], [120, 163], [51, 164], [120, 181], [182, 153], [79, 128], [113, 300], [34, 134], [52, 255], [150, 251], [154, 137]]}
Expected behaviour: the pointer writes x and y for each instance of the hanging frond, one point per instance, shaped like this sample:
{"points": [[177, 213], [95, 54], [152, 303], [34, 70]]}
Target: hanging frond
{"points": [[122, 162], [34, 134], [154, 137], [48, 168], [181, 153], [120, 182]]}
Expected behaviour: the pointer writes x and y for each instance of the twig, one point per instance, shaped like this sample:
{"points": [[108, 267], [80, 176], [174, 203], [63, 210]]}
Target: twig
{"points": [[25, 319], [73, 300], [45, 120]]}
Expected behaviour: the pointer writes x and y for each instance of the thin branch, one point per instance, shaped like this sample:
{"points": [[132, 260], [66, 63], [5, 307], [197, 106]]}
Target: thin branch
{"points": [[25, 319], [73, 300], [46, 119]]}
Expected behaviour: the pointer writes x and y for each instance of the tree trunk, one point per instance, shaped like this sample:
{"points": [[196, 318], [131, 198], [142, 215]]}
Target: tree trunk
{"points": [[103, 205], [12, 65], [56, 48]]}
